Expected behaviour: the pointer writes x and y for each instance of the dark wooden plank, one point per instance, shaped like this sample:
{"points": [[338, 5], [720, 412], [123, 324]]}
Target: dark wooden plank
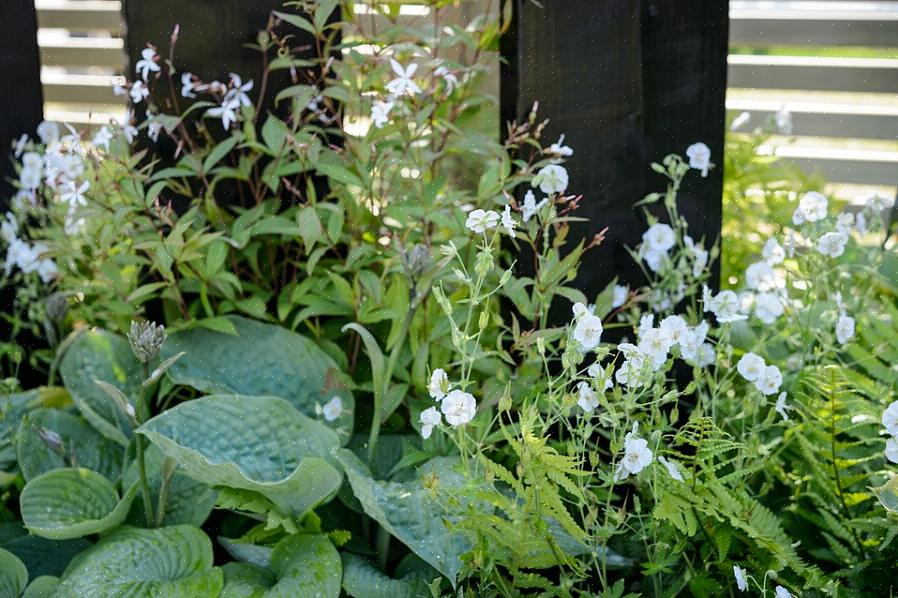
{"points": [[628, 82]]}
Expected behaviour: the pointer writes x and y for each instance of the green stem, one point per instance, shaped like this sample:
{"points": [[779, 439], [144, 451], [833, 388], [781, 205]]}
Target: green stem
{"points": [[141, 461], [167, 474]]}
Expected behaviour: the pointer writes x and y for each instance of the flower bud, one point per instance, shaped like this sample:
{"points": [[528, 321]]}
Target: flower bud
{"points": [[484, 319], [146, 340], [56, 307]]}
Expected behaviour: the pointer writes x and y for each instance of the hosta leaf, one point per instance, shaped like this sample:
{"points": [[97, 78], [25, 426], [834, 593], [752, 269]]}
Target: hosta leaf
{"points": [[301, 565], [83, 445], [410, 511], [13, 575], [260, 444], [43, 556], [42, 587], [888, 494], [362, 580], [70, 503], [189, 501], [173, 562], [101, 355], [13, 408], [261, 359]]}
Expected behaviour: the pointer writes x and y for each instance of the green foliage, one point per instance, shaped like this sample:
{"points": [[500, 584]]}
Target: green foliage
{"points": [[13, 575]]}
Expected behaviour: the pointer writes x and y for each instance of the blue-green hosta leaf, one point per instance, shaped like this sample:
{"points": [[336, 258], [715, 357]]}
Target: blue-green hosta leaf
{"points": [[101, 355], [261, 359], [42, 587], [245, 552], [410, 512], [888, 494], [45, 557], [13, 408], [362, 580], [189, 501], [301, 565], [13, 575], [174, 562], [71, 503], [259, 444], [83, 445]]}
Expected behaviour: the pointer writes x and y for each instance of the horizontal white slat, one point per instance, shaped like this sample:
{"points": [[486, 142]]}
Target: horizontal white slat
{"points": [[80, 15], [59, 50], [813, 73], [85, 89], [844, 165], [824, 120]]}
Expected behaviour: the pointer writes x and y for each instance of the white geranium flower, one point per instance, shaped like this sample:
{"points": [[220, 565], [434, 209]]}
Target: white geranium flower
{"points": [[559, 149], [530, 206], [429, 418], [892, 449], [588, 331], [139, 91], [654, 258], [844, 329], [147, 63], [724, 305], [832, 244], [773, 253], [102, 138], [586, 397], [402, 84], [48, 132], [890, 419], [699, 156], [705, 355], [769, 381], [597, 372], [508, 223], [813, 206], [632, 372], [333, 409], [781, 407], [876, 202], [741, 579], [74, 194], [768, 307], [659, 237], [637, 456], [227, 112], [782, 592], [845, 222], [551, 179], [760, 276], [655, 344], [751, 366], [619, 295], [439, 384], [692, 340], [672, 468], [479, 221], [380, 113], [675, 328], [458, 407]]}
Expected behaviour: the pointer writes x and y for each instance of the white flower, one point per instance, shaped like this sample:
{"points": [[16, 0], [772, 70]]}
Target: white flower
{"points": [[783, 121], [654, 258], [20, 145], [781, 407], [892, 449], [725, 305], [48, 132], [705, 355], [74, 194], [551, 179], [429, 418], [659, 237], [844, 329], [559, 149], [637, 456], [508, 222], [751, 366], [773, 253], [587, 399], [769, 381], [227, 112], [832, 244], [741, 579], [890, 419], [812, 206], [655, 344], [692, 340], [619, 295], [480, 221], [768, 307], [699, 156], [154, 127], [760, 276], [672, 468], [380, 113], [530, 206], [102, 138], [845, 222], [632, 372], [588, 331], [129, 130], [146, 63], [675, 328], [450, 79], [700, 256], [333, 408], [597, 372], [188, 85], [237, 93], [9, 228], [439, 384], [861, 223], [458, 407], [139, 91], [646, 323], [742, 119], [782, 592], [874, 201], [403, 83], [47, 270]]}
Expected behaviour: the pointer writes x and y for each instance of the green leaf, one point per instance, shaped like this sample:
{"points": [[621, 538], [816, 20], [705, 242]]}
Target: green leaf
{"points": [[260, 444], [175, 562], [71, 503], [13, 407], [220, 151], [101, 355], [411, 512], [362, 580], [261, 359], [296, 21], [888, 494], [245, 580], [45, 557], [13, 575], [189, 501], [84, 446], [274, 133], [42, 587]]}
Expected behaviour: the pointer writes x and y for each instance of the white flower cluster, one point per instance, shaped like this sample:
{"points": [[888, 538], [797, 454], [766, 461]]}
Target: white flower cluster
{"points": [[403, 85], [890, 423], [587, 328], [457, 406], [766, 378], [637, 456], [654, 346], [24, 256]]}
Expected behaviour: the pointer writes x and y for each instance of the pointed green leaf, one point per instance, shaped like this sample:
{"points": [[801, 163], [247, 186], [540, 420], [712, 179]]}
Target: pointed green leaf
{"points": [[362, 580], [260, 444], [13, 575], [410, 511], [70, 503], [83, 445], [175, 562], [261, 359]]}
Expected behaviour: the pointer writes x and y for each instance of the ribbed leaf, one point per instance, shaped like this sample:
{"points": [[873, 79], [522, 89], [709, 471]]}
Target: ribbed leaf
{"points": [[260, 444], [362, 580], [83, 445], [70, 503], [261, 359], [174, 562], [189, 501], [13, 408], [13, 575], [45, 557], [410, 512], [42, 587], [100, 355]]}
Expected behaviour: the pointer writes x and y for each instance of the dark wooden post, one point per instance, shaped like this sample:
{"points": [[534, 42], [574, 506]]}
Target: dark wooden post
{"points": [[627, 82], [21, 99]]}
